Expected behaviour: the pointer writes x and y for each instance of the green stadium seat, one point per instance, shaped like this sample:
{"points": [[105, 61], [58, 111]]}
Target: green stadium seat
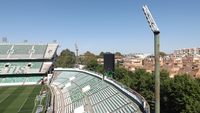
{"points": [[103, 97], [33, 79], [22, 49], [21, 67], [40, 49], [4, 49]]}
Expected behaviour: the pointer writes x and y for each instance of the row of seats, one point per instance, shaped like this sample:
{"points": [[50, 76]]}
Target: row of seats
{"points": [[12, 79], [128, 109], [96, 88], [70, 108], [101, 97], [20, 79], [33, 79], [4, 49], [65, 76], [20, 67], [22, 51], [71, 96], [74, 89], [111, 104]]}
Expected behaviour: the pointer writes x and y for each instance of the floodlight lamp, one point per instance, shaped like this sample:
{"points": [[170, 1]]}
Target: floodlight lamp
{"points": [[150, 19]]}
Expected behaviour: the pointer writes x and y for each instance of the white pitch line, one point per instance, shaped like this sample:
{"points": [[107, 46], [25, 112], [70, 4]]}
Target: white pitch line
{"points": [[22, 104], [4, 98]]}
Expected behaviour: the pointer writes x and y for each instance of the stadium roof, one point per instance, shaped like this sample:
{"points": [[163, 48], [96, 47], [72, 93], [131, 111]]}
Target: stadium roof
{"points": [[80, 91]]}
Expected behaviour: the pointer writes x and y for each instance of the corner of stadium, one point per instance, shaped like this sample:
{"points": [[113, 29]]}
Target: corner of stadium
{"points": [[29, 83]]}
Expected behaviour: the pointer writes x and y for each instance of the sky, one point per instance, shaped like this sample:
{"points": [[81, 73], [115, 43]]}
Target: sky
{"points": [[101, 25]]}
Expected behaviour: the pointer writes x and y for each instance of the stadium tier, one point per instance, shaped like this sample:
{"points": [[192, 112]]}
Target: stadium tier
{"points": [[25, 64], [80, 91], [24, 67], [27, 51], [26, 80]]}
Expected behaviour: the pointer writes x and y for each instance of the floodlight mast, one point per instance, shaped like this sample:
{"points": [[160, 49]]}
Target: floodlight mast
{"points": [[156, 32], [150, 19]]}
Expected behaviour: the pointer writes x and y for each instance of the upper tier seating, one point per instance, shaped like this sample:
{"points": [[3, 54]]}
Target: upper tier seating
{"points": [[4, 50], [38, 51], [27, 51]]}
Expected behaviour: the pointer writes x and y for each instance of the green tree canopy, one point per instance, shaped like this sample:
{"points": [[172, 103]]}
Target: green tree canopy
{"points": [[101, 54], [90, 60], [162, 54], [120, 73], [66, 59], [118, 54], [180, 95]]}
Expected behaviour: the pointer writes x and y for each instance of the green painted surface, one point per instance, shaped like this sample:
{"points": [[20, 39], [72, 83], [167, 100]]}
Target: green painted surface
{"points": [[18, 98]]}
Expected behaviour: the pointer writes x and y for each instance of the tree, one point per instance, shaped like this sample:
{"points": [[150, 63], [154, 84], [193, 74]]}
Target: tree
{"points": [[120, 73], [162, 54], [90, 60], [99, 68], [177, 95], [101, 54], [180, 95], [66, 59], [118, 54], [143, 83]]}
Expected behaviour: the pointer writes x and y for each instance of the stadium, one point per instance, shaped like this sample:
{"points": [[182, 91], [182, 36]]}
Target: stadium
{"points": [[29, 83]]}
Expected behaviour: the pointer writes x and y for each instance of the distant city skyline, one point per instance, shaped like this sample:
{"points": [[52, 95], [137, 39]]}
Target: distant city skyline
{"points": [[101, 25]]}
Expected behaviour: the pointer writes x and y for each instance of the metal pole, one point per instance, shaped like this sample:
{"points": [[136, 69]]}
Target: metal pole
{"points": [[156, 32], [157, 70], [77, 57]]}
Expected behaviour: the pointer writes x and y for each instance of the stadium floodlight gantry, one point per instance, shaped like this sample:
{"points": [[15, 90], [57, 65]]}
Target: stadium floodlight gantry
{"points": [[81, 91], [25, 64]]}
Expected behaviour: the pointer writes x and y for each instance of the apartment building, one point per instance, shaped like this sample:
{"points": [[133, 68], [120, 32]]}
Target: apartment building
{"points": [[187, 51]]}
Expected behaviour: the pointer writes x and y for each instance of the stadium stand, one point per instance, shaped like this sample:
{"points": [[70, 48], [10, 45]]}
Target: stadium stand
{"points": [[23, 64], [73, 90], [20, 51], [81, 91], [20, 67], [49, 53], [4, 50], [27, 51]]}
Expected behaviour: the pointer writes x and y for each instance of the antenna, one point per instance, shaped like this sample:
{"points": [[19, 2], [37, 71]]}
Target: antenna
{"points": [[4, 40], [25, 41], [76, 47], [54, 41]]}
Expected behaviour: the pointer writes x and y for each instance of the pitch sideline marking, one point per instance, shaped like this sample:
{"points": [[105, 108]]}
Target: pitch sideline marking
{"points": [[22, 105], [7, 96]]}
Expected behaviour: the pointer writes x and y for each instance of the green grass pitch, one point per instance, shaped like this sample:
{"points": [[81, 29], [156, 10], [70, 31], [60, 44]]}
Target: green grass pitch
{"points": [[18, 99]]}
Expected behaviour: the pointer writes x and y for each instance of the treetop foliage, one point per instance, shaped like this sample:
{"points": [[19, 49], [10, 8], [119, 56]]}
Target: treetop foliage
{"points": [[66, 59]]}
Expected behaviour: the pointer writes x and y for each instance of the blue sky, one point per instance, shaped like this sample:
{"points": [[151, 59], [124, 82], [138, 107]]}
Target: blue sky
{"points": [[101, 25]]}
